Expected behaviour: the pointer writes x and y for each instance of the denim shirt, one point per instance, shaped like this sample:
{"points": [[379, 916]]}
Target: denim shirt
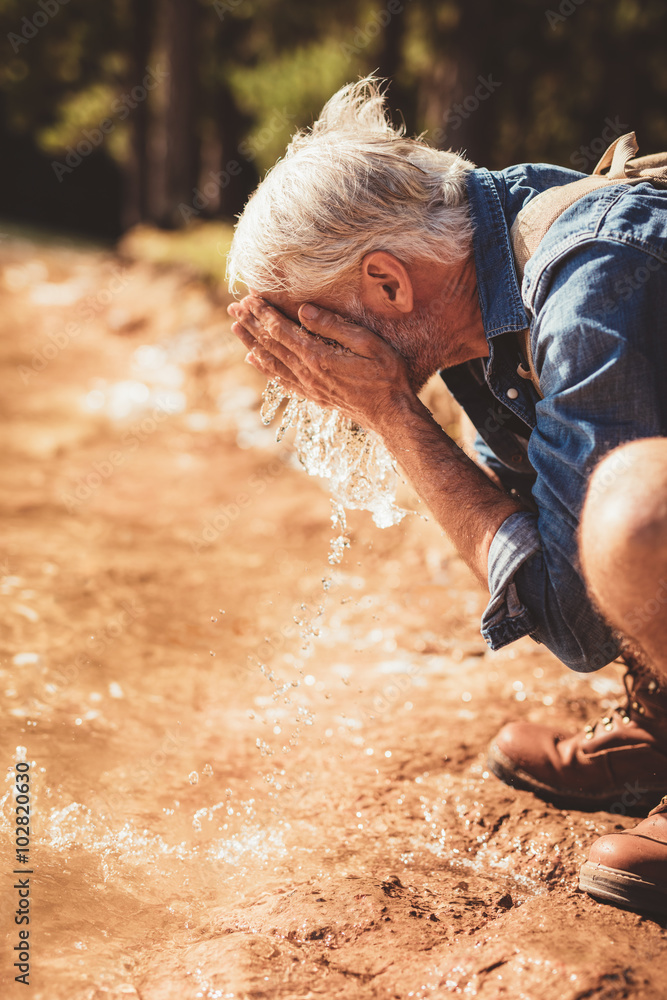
{"points": [[594, 296]]}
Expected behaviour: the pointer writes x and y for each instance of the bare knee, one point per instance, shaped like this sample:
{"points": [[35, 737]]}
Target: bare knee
{"points": [[624, 519]]}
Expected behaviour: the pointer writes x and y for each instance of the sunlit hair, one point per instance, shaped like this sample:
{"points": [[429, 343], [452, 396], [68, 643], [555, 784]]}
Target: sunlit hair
{"points": [[351, 184]]}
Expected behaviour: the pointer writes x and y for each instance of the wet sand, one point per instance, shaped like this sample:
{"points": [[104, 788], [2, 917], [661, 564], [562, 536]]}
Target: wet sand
{"points": [[227, 803]]}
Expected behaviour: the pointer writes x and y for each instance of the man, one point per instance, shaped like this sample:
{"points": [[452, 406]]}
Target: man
{"points": [[569, 528]]}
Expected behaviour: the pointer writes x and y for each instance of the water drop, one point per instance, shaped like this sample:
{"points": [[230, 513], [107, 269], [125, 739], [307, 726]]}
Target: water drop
{"points": [[193, 777]]}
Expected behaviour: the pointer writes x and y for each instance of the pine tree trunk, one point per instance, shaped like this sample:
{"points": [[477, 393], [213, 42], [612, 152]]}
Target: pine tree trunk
{"points": [[181, 146], [137, 169]]}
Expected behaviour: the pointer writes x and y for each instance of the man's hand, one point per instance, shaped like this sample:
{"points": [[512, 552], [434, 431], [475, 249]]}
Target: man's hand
{"points": [[333, 362], [356, 372]]}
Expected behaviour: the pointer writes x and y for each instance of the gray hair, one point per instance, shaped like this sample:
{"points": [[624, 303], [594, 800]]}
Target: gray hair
{"points": [[351, 184]]}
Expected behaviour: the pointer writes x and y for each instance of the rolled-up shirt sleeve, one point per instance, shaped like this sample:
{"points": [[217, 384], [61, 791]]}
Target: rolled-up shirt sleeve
{"points": [[506, 618], [524, 601]]}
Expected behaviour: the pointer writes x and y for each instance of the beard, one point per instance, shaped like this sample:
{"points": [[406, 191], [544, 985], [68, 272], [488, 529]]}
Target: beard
{"points": [[420, 338]]}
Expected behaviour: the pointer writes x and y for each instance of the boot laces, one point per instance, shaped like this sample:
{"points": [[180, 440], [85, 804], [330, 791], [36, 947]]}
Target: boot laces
{"points": [[632, 682]]}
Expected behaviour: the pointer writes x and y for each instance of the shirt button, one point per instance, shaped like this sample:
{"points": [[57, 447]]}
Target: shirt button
{"points": [[512, 393]]}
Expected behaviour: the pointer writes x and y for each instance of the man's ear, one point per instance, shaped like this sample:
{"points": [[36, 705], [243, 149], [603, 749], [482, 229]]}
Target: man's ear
{"points": [[386, 287]]}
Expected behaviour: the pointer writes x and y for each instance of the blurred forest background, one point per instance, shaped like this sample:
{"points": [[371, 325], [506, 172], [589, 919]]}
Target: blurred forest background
{"points": [[167, 112]]}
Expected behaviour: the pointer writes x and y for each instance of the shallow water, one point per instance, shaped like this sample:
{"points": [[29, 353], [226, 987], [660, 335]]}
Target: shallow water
{"points": [[255, 774]]}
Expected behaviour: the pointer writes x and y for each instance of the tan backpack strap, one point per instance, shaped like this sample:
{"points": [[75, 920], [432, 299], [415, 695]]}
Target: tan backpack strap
{"points": [[523, 336], [651, 168], [652, 162], [617, 156], [625, 166], [533, 221]]}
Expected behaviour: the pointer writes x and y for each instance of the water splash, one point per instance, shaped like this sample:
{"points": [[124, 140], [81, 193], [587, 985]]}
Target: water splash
{"points": [[359, 470]]}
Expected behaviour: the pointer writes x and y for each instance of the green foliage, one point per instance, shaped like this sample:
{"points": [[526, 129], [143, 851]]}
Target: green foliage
{"points": [[285, 93], [79, 110]]}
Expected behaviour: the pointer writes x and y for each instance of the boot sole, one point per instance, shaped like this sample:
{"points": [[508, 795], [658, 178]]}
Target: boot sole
{"points": [[622, 888], [505, 769]]}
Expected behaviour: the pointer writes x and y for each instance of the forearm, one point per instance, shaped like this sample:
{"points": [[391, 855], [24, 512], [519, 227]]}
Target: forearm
{"points": [[465, 503]]}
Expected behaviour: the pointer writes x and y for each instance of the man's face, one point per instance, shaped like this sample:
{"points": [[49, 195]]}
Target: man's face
{"points": [[417, 337]]}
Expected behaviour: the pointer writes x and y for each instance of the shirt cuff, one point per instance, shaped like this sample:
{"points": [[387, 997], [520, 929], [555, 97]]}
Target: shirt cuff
{"points": [[506, 618]]}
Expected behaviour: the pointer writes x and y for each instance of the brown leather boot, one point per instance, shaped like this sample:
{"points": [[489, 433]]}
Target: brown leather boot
{"points": [[630, 868], [617, 763]]}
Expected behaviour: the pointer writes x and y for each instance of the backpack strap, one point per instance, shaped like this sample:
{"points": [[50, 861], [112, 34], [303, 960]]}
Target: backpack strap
{"points": [[534, 221], [523, 336], [617, 165], [616, 156]]}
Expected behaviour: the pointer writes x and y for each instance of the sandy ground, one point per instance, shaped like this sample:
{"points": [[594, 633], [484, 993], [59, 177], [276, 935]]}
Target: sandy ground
{"points": [[244, 784]]}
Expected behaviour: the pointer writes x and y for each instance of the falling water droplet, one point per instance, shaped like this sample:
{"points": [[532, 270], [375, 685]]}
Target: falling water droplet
{"points": [[341, 541], [207, 770], [193, 777]]}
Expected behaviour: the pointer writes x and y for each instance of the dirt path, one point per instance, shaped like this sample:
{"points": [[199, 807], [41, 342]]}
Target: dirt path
{"points": [[296, 815]]}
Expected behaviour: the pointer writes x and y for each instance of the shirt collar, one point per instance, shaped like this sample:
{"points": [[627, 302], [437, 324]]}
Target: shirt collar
{"points": [[497, 286]]}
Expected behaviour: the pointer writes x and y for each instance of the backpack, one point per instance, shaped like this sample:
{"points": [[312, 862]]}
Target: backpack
{"points": [[618, 165]]}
